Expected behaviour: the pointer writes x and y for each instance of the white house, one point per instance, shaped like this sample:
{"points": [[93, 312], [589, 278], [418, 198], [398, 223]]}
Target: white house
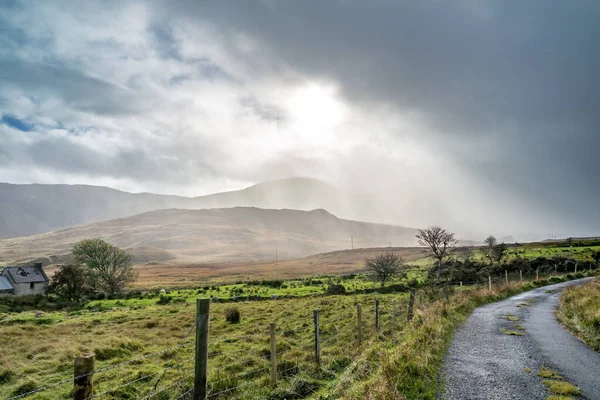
{"points": [[20, 281]]}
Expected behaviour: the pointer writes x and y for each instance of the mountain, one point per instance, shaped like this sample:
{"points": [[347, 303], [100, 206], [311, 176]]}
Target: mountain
{"points": [[211, 235], [37, 208]]}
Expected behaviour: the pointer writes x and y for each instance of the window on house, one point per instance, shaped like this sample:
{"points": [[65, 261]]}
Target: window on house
{"points": [[31, 285]]}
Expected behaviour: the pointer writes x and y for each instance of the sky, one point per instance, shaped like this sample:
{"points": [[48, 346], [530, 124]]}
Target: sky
{"points": [[486, 112]]}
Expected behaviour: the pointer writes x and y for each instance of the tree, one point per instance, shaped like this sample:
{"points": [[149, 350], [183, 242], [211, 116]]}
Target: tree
{"points": [[488, 250], [69, 283], [108, 266], [385, 266], [439, 242], [499, 252]]}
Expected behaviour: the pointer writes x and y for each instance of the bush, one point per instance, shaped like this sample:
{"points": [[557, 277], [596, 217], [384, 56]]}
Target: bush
{"points": [[164, 300], [232, 315], [336, 290]]}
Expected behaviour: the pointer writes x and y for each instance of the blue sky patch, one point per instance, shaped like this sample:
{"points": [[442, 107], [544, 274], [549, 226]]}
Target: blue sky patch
{"points": [[16, 123]]}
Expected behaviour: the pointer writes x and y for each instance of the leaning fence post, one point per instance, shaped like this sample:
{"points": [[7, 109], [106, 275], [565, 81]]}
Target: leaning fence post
{"points": [[201, 361], [506, 276], [273, 355], [490, 283], [411, 303], [317, 338], [376, 315], [358, 321], [83, 368]]}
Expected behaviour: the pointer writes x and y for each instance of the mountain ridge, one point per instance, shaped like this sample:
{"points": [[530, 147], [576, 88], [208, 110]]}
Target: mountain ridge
{"points": [[28, 209], [212, 235]]}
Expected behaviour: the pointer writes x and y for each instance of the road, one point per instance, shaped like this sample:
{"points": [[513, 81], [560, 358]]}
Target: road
{"points": [[486, 363]]}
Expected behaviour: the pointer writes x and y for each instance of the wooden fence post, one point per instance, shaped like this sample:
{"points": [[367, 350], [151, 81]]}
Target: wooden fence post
{"points": [[555, 269], [537, 274], [317, 338], [490, 283], [201, 360], [506, 276], [359, 323], [411, 303], [576, 267], [376, 315], [273, 355], [83, 368], [521, 274], [460, 283]]}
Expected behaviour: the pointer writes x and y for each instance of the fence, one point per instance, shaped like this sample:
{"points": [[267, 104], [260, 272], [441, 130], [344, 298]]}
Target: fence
{"points": [[295, 355]]}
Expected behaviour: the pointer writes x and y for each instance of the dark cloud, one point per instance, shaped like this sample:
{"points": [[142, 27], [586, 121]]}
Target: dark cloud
{"points": [[519, 81]]}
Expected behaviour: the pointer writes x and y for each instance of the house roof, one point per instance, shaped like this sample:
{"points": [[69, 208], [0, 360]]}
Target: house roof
{"points": [[25, 274], [5, 284]]}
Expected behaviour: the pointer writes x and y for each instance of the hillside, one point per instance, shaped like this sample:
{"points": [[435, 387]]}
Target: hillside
{"points": [[179, 236], [31, 209]]}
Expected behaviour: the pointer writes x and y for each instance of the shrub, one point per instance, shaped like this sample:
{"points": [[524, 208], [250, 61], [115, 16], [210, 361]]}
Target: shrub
{"points": [[164, 300], [336, 289], [232, 315]]}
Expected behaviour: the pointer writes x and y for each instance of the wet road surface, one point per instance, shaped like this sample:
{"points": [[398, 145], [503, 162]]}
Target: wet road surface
{"points": [[484, 362]]}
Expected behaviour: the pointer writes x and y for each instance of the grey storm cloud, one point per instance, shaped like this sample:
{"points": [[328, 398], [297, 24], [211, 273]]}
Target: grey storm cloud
{"points": [[523, 74], [506, 92]]}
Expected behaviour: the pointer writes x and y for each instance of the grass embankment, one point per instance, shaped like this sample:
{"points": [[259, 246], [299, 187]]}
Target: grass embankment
{"points": [[579, 312], [408, 367]]}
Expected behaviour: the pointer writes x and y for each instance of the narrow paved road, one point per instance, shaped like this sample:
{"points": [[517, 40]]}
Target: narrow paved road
{"points": [[486, 363]]}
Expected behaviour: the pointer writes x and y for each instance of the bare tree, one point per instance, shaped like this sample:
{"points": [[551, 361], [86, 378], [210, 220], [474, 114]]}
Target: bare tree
{"points": [[385, 266], [108, 266], [488, 250], [439, 242]]}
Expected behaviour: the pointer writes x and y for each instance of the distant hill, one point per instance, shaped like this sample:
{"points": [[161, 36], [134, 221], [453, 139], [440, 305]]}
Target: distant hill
{"points": [[36, 208], [213, 235]]}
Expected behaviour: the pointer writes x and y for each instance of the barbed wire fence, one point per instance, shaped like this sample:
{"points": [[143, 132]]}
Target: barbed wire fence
{"points": [[270, 357]]}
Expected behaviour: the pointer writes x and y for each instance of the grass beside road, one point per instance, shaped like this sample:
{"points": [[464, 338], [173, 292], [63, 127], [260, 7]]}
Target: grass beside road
{"points": [[579, 312], [409, 368]]}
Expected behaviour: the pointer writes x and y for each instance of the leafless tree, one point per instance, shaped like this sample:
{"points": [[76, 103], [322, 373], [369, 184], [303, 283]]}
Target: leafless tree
{"points": [[108, 266], [385, 266], [439, 243], [488, 250]]}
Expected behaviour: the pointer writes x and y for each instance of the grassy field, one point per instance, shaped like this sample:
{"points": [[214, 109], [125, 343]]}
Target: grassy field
{"points": [[579, 311], [165, 275], [43, 345], [153, 340]]}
